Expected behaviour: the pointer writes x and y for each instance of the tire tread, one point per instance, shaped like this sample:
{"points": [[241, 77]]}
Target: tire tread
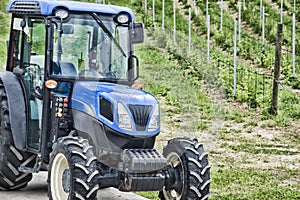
{"points": [[10, 157], [82, 166], [195, 165]]}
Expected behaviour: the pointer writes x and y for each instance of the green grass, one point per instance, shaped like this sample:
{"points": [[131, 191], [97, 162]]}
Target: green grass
{"points": [[260, 149], [165, 80], [149, 195], [238, 183], [4, 27], [2, 55]]}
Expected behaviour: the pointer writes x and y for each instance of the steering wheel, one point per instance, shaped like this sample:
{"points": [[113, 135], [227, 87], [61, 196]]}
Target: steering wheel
{"points": [[89, 73], [110, 74]]}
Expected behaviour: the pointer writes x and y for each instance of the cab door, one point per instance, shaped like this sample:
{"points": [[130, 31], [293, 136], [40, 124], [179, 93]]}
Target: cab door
{"points": [[28, 62]]}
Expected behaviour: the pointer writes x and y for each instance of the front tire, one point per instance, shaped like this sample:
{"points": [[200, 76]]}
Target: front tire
{"points": [[73, 173], [191, 165], [10, 157]]}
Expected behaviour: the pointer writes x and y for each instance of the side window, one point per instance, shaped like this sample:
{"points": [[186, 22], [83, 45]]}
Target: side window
{"points": [[37, 42], [16, 42], [29, 41], [29, 34]]}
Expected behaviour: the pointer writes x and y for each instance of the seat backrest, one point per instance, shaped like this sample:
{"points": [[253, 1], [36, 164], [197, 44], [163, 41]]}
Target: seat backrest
{"points": [[64, 68]]}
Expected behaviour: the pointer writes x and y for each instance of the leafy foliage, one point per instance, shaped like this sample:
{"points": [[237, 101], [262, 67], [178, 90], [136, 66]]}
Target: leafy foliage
{"points": [[4, 24]]}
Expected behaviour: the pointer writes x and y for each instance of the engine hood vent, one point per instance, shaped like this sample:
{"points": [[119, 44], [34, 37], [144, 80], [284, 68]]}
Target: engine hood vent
{"points": [[25, 7]]}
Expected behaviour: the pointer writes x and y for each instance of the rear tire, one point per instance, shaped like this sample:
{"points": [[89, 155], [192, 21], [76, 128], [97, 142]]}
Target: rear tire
{"points": [[73, 173], [10, 157], [191, 165]]}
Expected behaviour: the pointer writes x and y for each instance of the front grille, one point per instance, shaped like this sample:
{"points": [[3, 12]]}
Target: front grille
{"points": [[26, 7], [140, 115]]}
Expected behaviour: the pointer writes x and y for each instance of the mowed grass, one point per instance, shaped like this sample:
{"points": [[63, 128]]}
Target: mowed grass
{"points": [[239, 183]]}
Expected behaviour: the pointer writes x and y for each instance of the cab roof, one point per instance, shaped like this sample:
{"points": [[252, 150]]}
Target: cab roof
{"points": [[47, 7]]}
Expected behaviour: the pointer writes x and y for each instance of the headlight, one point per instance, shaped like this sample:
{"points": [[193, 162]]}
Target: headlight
{"points": [[155, 120], [124, 118], [122, 18]]}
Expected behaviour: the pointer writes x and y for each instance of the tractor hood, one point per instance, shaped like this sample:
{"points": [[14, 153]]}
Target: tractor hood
{"points": [[124, 109]]}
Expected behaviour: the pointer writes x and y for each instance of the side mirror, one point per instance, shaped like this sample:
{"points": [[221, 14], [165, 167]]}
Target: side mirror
{"points": [[137, 33]]}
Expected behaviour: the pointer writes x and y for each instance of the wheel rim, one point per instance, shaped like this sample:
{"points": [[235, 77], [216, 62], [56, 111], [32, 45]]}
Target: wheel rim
{"points": [[60, 167], [176, 162]]}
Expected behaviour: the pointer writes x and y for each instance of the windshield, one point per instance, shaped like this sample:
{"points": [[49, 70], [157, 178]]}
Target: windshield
{"points": [[83, 49]]}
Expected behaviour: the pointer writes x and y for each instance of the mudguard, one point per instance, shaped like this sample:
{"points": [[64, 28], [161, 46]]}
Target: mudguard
{"points": [[17, 108]]}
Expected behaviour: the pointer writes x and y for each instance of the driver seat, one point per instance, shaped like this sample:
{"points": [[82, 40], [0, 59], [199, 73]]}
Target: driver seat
{"points": [[64, 69]]}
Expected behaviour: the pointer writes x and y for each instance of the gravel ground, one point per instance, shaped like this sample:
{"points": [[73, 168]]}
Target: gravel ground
{"points": [[37, 190]]}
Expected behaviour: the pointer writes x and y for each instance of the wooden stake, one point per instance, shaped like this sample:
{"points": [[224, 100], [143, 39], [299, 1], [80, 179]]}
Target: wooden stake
{"points": [[274, 106]]}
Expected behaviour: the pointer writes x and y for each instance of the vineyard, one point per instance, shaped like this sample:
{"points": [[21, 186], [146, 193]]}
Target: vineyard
{"points": [[255, 60]]}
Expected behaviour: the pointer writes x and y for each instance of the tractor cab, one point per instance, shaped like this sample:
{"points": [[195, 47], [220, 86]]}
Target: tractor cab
{"points": [[53, 44], [71, 40]]}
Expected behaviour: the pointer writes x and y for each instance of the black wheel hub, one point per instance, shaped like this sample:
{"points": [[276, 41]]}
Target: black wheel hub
{"points": [[66, 180], [179, 179]]}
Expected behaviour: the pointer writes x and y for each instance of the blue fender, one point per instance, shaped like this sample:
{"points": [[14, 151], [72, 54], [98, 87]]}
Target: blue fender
{"points": [[17, 109]]}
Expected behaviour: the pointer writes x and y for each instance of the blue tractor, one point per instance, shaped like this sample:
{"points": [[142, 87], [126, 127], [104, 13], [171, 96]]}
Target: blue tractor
{"points": [[68, 106]]}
